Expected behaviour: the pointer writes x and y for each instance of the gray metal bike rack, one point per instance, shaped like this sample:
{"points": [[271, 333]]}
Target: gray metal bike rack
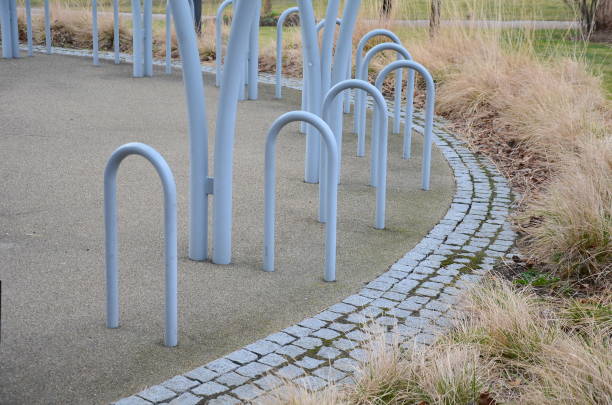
{"points": [[363, 75], [429, 117], [331, 195], [398, 81], [170, 231]]}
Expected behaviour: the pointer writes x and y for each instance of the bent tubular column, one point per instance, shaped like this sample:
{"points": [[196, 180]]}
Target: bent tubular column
{"points": [[233, 69], [198, 130]]}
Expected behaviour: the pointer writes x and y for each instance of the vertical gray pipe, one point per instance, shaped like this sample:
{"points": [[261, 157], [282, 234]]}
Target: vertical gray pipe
{"points": [[198, 130], [219, 41], [7, 42], [312, 80], [116, 38], [168, 38], [225, 130], [254, 53], [279, 48], [94, 31], [14, 28], [28, 10], [47, 27], [327, 44], [137, 39], [148, 38], [342, 57]]}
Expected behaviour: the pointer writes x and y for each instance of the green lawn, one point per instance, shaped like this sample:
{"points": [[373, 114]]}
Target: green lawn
{"points": [[598, 56]]}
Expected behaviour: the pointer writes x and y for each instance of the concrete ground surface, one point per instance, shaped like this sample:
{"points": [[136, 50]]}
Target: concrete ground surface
{"points": [[60, 119]]}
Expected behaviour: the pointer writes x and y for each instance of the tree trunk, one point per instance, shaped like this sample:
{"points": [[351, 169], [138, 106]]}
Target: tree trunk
{"points": [[267, 7], [386, 8], [434, 17], [603, 16]]}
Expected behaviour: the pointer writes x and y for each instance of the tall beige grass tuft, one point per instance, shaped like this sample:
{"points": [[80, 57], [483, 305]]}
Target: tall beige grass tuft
{"points": [[509, 325], [574, 371], [573, 231], [510, 347], [292, 394]]}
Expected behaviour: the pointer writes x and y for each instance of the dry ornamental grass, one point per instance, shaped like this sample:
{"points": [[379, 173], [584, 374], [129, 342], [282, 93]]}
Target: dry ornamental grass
{"points": [[510, 346]]}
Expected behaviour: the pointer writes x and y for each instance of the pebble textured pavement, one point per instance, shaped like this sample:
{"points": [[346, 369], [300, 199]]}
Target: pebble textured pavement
{"points": [[413, 300]]}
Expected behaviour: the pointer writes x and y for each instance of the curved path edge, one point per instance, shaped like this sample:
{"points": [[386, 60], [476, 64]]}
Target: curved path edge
{"points": [[413, 300]]}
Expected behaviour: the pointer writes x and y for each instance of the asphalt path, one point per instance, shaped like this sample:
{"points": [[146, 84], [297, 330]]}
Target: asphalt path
{"points": [[60, 119]]}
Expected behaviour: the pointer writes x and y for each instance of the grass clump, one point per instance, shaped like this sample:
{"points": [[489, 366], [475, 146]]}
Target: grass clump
{"points": [[573, 215], [510, 346]]}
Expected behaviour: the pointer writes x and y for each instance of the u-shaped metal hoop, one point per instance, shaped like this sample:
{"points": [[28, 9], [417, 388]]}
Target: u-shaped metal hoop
{"points": [[170, 250], [331, 195]]}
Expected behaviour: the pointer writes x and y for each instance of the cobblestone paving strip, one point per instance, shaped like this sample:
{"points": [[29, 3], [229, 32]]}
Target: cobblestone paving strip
{"points": [[412, 300]]}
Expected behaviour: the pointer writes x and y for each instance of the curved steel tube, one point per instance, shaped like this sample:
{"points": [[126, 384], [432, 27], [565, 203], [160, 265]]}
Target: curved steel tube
{"points": [[148, 38], [94, 31], [168, 38], [28, 11], [429, 116], [279, 49], [363, 75], [137, 40], [342, 58], [170, 250], [331, 195], [252, 74], [379, 126], [116, 31], [321, 24], [10, 30], [219, 40], [14, 28], [327, 44], [226, 128], [198, 130], [347, 97], [312, 85], [6, 27], [398, 83], [48, 27]]}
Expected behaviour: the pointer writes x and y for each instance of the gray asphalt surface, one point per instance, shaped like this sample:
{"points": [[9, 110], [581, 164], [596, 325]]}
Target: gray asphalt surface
{"points": [[60, 119]]}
